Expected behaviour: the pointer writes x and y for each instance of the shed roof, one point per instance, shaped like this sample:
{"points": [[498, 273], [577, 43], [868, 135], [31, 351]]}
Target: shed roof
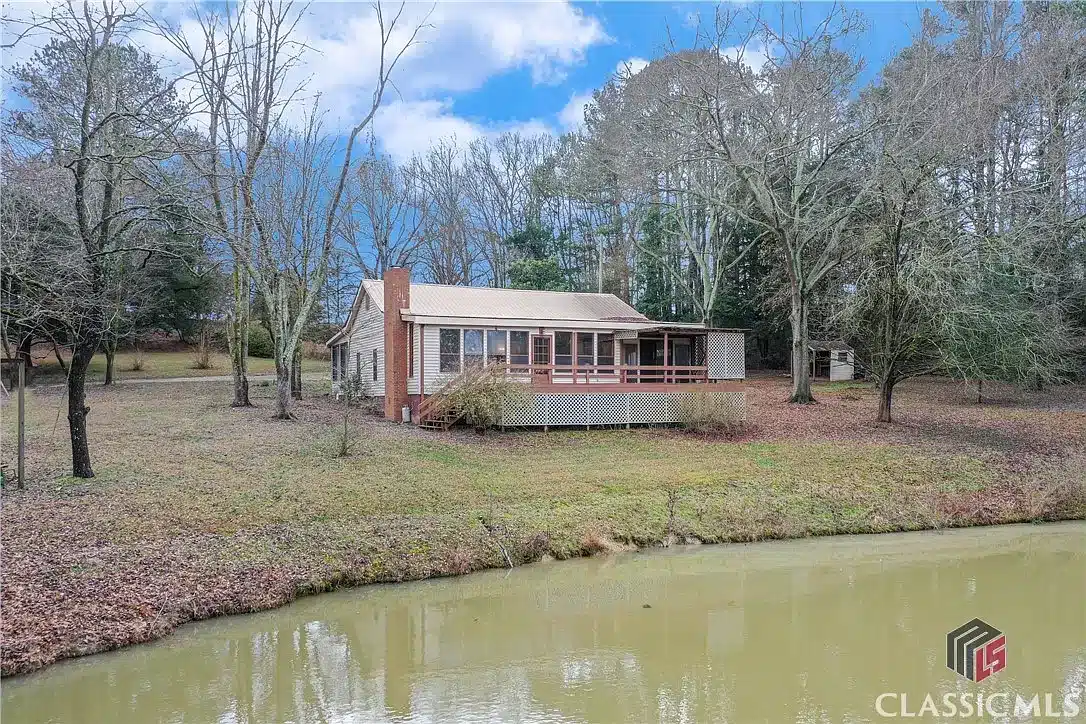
{"points": [[828, 345]]}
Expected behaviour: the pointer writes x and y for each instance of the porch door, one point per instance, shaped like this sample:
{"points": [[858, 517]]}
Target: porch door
{"points": [[629, 359], [652, 355], [541, 355]]}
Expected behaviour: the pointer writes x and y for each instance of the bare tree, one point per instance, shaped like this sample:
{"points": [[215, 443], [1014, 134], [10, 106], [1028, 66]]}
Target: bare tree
{"points": [[243, 62], [450, 253], [389, 214], [100, 108], [786, 133]]}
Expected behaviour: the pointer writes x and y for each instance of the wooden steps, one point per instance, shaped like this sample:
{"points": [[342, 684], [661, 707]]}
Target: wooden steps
{"points": [[441, 421]]}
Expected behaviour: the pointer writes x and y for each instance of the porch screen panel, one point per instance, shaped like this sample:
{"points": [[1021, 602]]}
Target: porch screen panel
{"points": [[680, 352], [563, 349], [605, 352], [473, 347], [518, 348], [586, 353], [449, 340], [496, 350]]}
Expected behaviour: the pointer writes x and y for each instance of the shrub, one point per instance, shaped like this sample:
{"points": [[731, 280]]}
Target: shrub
{"points": [[315, 350], [483, 398], [260, 342], [702, 411], [139, 360], [319, 332], [201, 357]]}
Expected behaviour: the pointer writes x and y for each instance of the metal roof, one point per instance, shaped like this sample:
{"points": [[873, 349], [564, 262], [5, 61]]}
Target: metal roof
{"points": [[489, 306], [439, 300], [828, 345]]}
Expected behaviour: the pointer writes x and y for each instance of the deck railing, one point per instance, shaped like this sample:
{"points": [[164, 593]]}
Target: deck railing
{"points": [[614, 374]]}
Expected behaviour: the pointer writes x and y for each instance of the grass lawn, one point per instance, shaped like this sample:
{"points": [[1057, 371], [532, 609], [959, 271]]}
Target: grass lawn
{"points": [[157, 365], [200, 510]]}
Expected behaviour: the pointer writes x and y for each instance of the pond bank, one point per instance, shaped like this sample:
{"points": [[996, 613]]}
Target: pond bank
{"points": [[200, 510], [770, 632]]}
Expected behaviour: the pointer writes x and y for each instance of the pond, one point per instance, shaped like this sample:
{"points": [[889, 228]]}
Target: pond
{"points": [[801, 631]]}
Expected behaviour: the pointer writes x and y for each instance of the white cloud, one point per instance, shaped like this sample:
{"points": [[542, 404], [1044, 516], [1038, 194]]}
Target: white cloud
{"points": [[461, 46], [407, 128], [571, 117], [753, 56], [632, 66]]}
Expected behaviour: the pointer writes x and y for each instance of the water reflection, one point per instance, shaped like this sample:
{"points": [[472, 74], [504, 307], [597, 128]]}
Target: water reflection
{"points": [[807, 631]]}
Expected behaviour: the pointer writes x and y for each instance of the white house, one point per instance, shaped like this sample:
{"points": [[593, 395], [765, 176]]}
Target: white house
{"points": [[590, 359]]}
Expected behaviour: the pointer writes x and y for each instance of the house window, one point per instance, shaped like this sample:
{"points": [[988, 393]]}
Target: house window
{"points": [[518, 348], [335, 363], [374, 366], [358, 364], [411, 350], [842, 356], [586, 349], [496, 350], [563, 349], [449, 348], [605, 352], [473, 347]]}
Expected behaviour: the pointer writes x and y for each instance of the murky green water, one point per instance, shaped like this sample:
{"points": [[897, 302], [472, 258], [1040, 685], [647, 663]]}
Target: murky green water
{"points": [[805, 631]]}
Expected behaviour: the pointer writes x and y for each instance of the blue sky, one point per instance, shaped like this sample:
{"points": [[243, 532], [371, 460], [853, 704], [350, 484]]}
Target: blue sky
{"points": [[517, 97], [483, 68]]}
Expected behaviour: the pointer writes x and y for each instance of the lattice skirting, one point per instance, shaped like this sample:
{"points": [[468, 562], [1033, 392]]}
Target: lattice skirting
{"points": [[606, 408]]}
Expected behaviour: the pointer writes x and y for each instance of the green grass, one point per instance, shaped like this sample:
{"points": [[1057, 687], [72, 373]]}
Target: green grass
{"points": [[159, 365]]}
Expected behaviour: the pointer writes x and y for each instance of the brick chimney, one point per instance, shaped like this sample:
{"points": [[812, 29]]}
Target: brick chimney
{"points": [[397, 297]]}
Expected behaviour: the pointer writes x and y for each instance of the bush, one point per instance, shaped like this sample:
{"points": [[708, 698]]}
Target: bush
{"points": [[703, 411], [260, 342], [483, 398], [320, 332], [315, 350], [139, 360], [201, 356]]}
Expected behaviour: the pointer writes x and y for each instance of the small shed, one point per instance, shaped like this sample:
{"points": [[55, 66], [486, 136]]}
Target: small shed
{"points": [[832, 360]]}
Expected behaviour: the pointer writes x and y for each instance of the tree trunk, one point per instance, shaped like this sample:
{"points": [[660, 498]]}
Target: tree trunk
{"points": [[801, 371], [886, 394], [282, 390], [111, 356], [77, 410], [980, 391], [296, 375], [238, 338]]}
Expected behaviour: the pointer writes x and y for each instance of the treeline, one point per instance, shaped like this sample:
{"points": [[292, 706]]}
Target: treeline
{"points": [[934, 217]]}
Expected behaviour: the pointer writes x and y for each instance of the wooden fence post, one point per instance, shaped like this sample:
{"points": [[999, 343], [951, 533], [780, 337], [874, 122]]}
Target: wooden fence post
{"points": [[22, 423]]}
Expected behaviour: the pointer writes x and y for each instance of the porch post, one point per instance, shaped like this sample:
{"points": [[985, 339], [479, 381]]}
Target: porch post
{"points": [[665, 356]]}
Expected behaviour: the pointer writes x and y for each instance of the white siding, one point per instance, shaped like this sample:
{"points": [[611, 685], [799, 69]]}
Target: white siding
{"points": [[368, 335], [841, 371], [413, 379]]}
